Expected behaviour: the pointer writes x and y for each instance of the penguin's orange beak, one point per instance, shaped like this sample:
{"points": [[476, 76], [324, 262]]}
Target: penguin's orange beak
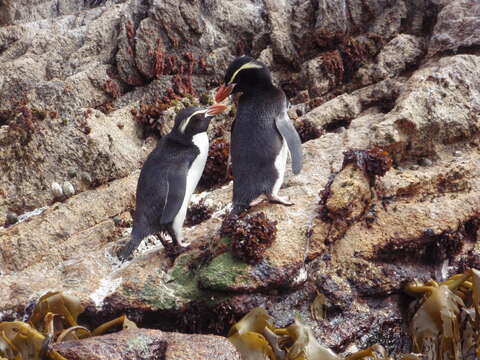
{"points": [[216, 109], [223, 92]]}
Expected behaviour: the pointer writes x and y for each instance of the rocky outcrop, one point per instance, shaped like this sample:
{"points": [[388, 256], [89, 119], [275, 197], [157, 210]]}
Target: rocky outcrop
{"points": [[149, 344], [81, 85]]}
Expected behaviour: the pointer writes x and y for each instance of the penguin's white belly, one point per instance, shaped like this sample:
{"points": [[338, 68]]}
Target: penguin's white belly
{"points": [[193, 176], [280, 166]]}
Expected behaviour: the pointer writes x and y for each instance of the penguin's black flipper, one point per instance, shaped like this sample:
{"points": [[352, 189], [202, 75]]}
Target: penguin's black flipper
{"points": [[176, 187], [289, 133]]}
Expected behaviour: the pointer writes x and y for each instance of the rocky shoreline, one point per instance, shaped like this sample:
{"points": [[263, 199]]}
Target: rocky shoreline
{"points": [[87, 87]]}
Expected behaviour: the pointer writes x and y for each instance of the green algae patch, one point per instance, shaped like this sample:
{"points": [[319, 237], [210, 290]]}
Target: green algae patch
{"points": [[225, 273], [154, 292], [183, 277]]}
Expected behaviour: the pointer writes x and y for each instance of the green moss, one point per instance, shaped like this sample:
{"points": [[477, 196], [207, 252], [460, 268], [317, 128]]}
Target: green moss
{"points": [[184, 278], [155, 293], [224, 273]]}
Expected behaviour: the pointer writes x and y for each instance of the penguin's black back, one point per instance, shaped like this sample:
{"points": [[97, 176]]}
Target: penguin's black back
{"points": [[161, 186], [256, 143]]}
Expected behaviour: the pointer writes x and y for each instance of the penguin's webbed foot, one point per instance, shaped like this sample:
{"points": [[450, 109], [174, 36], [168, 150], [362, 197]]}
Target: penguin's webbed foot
{"points": [[256, 201], [126, 252], [173, 250], [280, 200]]}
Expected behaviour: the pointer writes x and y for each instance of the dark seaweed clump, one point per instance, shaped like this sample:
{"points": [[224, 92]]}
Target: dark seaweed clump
{"points": [[198, 213], [307, 131], [374, 162], [251, 235], [215, 172]]}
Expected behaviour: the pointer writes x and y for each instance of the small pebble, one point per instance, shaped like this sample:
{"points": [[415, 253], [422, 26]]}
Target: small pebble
{"points": [[68, 189], [425, 162], [86, 177], [457, 153], [72, 173], [57, 190], [117, 220], [12, 218], [414, 167]]}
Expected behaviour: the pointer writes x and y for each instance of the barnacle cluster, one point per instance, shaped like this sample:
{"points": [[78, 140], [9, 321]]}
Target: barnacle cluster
{"points": [[53, 320], [216, 169], [251, 235]]}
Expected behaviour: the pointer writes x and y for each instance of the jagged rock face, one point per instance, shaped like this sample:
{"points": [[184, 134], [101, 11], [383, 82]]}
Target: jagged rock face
{"points": [[361, 74]]}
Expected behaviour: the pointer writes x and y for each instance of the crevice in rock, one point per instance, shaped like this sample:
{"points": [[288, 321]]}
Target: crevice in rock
{"points": [[430, 248], [337, 124]]}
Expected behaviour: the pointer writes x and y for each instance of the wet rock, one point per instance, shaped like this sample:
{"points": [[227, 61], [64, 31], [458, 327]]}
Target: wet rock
{"points": [[457, 27], [148, 344], [11, 219]]}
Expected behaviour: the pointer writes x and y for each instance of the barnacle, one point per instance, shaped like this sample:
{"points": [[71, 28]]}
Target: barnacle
{"points": [[53, 320]]}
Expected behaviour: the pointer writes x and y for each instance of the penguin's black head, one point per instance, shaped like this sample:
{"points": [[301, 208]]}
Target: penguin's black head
{"points": [[195, 120], [243, 75]]}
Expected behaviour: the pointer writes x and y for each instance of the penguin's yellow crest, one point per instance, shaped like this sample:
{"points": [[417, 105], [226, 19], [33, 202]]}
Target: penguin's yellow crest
{"points": [[249, 65]]}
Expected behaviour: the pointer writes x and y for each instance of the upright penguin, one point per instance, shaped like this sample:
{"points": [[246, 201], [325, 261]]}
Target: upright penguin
{"points": [[262, 134], [168, 178]]}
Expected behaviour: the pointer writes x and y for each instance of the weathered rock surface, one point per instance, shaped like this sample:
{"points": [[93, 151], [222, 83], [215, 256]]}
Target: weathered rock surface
{"points": [[457, 26], [70, 77], [149, 344]]}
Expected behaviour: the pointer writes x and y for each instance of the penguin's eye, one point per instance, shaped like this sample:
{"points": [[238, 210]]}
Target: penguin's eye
{"points": [[184, 123]]}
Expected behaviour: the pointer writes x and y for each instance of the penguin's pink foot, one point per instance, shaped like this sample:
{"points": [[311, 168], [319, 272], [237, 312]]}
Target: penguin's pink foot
{"points": [[280, 200], [256, 201]]}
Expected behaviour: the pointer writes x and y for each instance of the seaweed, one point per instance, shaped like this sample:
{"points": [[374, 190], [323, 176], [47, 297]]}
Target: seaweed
{"points": [[446, 322], [216, 168], [198, 213], [307, 131], [251, 235], [53, 320]]}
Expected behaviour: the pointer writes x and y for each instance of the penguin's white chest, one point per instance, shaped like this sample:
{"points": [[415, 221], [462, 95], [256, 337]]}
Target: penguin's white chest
{"points": [[193, 176], [196, 170], [280, 166]]}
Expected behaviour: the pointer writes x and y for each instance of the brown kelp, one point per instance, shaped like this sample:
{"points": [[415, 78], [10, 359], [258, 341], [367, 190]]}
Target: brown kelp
{"points": [[53, 320], [446, 324]]}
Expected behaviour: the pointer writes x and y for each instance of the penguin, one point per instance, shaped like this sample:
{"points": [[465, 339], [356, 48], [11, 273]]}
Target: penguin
{"points": [[168, 178], [262, 134]]}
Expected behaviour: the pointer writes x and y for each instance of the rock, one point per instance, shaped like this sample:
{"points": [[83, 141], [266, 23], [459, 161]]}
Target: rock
{"points": [[425, 162], [450, 102], [402, 52], [57, 190], [11, 219], [457, 27], [363, 83], [148, 344], [68, 189]]}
